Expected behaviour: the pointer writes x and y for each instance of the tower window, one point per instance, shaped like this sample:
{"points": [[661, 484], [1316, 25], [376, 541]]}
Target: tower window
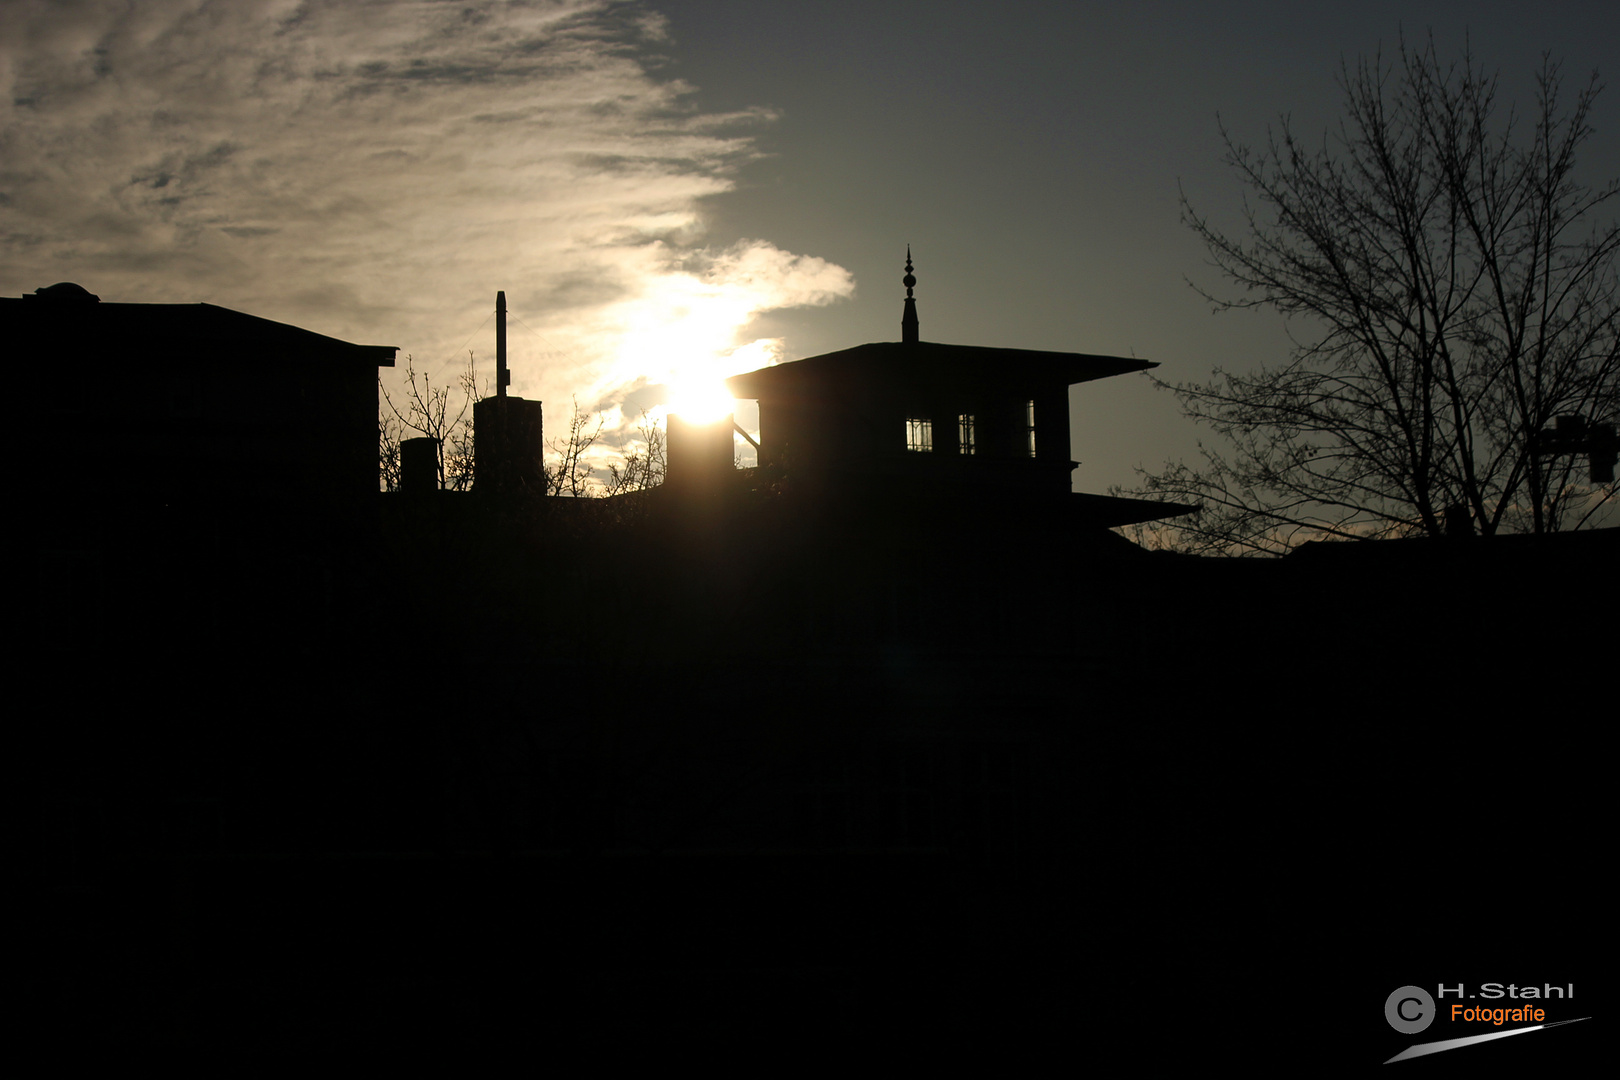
{"points": [[1029, 428], [919, 435], [964, 432]]}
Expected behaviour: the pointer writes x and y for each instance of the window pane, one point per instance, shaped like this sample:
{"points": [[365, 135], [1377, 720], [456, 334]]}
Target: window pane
{"points": [[1029, 427], [965, 433], [919, 435]]}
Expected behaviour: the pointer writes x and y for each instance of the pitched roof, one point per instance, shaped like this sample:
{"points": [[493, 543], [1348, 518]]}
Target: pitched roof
{"points": [[68, 309]]}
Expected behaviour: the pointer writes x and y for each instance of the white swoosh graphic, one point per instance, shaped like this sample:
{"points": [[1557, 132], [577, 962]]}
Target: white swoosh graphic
{"points": [[1420, 1049]]}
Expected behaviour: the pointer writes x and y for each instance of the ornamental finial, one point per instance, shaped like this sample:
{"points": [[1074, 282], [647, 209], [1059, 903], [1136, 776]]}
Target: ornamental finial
{"points": [[908, 318]]}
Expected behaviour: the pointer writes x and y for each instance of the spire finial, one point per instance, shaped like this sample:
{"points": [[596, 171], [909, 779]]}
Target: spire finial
{"points": [[908, 318]]}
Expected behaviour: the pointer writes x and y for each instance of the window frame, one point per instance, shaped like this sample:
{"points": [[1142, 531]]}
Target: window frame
{"points": [[919, 435]]}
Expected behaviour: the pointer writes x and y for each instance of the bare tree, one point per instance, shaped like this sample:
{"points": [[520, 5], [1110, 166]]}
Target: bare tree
{"points": [[388, 439], [643, 468], [572, 474], [1452, 285], [447, 415], [428, 412]]}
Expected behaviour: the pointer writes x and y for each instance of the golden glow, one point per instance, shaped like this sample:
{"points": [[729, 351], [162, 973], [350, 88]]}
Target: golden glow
{"points": [[682, 331], [700, 399]]}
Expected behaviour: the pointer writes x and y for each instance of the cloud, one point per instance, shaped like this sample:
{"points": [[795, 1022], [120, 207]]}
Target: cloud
{"points": [[377, 171]]}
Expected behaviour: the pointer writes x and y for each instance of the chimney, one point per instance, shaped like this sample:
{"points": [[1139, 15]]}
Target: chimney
{"points": [[419, 465], [508, 432], [700, 456], [503, 377]]}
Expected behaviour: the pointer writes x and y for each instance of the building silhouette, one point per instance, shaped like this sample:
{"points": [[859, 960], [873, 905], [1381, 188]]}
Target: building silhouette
{"points": [[924, 420], [887, 737], [196, 403]]}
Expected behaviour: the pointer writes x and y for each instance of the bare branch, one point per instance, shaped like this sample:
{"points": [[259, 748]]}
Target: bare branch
{"points": [[643, 468], [427, 413], [572, 475], [1456, 291]]}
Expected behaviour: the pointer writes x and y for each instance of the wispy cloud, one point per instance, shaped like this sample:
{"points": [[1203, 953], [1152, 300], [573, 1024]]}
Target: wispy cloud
{"points": [[375, 171]]}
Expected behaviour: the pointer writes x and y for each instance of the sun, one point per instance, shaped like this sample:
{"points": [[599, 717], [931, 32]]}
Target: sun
{"points": [[700, 399], [682, 332]]}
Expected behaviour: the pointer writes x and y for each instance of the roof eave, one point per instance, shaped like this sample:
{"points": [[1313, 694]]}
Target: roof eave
{"points": [[1113, 511], [1073, 368]]}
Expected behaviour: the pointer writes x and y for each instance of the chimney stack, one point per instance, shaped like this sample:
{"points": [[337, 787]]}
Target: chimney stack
{"points": [[502, 377], [508, 432]]}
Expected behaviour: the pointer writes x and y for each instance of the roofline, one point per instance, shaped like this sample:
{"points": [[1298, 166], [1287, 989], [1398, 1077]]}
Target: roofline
{"points": [[382, 361], [890, 352], [79, 300]]}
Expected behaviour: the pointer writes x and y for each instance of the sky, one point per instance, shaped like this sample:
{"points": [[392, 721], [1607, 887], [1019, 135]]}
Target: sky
{"points": [[676, 189]]}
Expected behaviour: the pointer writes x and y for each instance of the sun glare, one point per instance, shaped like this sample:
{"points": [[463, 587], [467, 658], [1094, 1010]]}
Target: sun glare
{"points": [[683, 333], [700, 399]]}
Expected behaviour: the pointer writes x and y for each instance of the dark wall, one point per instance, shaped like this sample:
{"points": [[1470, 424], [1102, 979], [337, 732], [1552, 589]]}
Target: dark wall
{"points": [[518, 770], [188, 402]]}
